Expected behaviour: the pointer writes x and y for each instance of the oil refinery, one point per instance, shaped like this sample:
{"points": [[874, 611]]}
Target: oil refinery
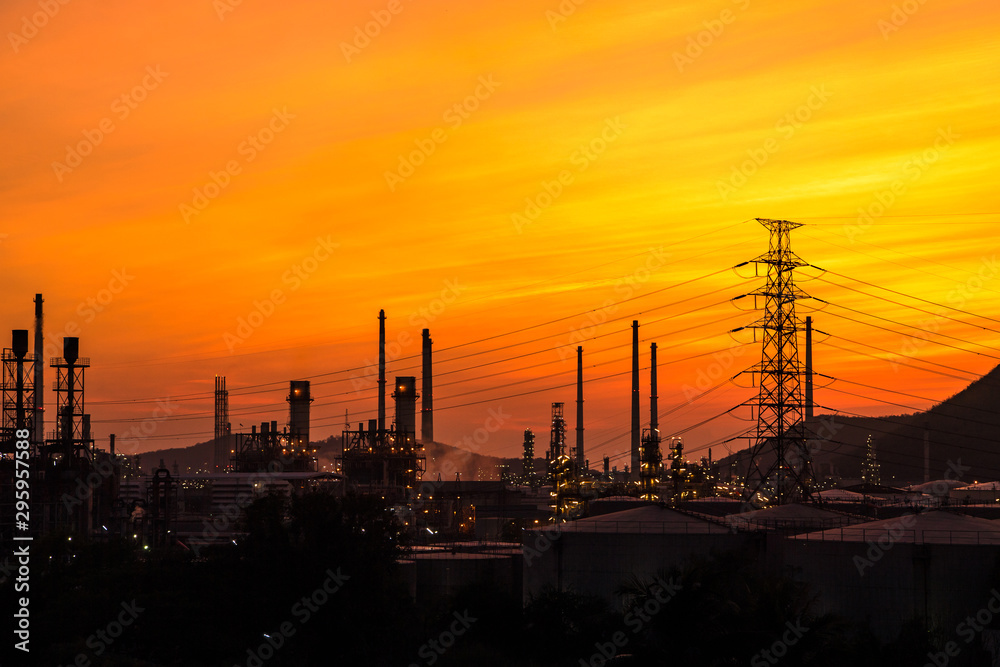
{"points": [[774, 498]]}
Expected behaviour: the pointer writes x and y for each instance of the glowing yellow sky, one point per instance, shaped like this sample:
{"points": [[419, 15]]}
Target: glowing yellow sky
{"points": [[698, 117]]}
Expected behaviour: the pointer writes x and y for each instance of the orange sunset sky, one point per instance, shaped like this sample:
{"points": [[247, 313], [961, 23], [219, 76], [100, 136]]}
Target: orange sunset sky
{"points": [[521, 177]]}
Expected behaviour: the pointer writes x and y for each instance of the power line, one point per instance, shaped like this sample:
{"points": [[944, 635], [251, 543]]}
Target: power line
{"points": [[903, 393], [241, 390], [889, 261], [936, 342], [176, 358], [901, 363], [907, 356], [904, 305], [909, 296], [896, 432], [911, 326]]}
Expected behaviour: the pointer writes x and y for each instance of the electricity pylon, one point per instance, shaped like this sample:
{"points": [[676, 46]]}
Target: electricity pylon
{"points": [[780, 469]]}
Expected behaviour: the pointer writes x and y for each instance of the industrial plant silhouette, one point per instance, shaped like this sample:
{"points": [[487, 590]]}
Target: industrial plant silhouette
{"points": [[829, 539]]}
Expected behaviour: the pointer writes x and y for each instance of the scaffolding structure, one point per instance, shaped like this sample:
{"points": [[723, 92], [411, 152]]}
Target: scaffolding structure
{"points": [[72, 439], [557, 436], [650, 464], [650, 457], [561, 471], [18, 392], [387, 462], [678, 470], [270, 450], [76, 482]]}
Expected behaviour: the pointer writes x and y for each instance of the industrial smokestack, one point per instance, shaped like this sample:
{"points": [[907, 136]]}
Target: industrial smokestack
{"points": [[809, 367], [654, 422], [580, 461], [39, 416], [298, 413], [406, 409], [634, 470], [381, 370], [427, 407], [222, 449]]}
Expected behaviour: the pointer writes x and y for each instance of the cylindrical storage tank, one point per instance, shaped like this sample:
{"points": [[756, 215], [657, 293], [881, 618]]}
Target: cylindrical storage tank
{"points": [[71, 349], [298, 412], [19, 343], [406, 408]]}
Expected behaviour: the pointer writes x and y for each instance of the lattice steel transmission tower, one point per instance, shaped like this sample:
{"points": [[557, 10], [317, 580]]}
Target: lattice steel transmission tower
{"points": [[780, 469]]}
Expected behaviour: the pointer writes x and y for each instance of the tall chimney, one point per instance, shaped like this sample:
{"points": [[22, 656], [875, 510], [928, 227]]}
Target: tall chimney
{"points": [[381, 370], [634, 469], [427, 407], [809, 367], [222, 446], [580, 460], [654, 421], [39, 406]]}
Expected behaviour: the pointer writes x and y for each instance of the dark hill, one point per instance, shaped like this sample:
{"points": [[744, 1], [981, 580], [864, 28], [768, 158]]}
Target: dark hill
{"points": [[440, 458], [964, 428]]}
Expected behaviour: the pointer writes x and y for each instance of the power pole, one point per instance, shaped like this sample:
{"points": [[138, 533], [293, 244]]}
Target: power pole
{"points": [[780, 471]]}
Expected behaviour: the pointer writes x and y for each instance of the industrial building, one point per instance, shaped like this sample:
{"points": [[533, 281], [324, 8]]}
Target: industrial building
{"points": [[936, 566], [80, 489], [559, 524]]}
